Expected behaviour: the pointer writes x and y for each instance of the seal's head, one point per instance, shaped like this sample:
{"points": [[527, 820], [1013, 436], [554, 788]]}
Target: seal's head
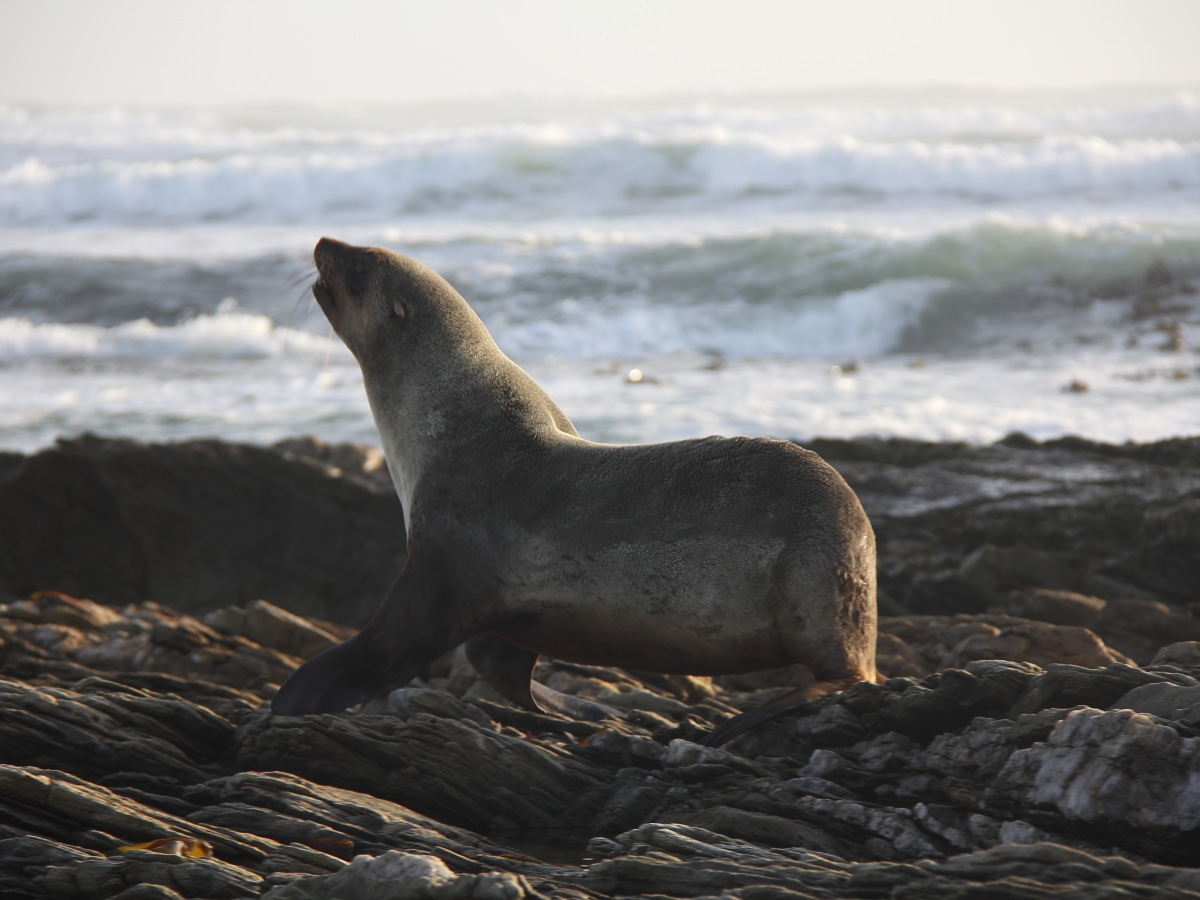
{"points": [[374, 297], [354, 292]]}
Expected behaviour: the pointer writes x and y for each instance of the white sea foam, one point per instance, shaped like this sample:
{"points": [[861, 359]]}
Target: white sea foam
{"points": [[226, 335], [865, 322], [1133, 395], [538, 172], [791, 292]]}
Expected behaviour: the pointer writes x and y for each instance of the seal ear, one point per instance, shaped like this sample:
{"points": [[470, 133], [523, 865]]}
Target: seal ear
{"points": [[399, 310]]}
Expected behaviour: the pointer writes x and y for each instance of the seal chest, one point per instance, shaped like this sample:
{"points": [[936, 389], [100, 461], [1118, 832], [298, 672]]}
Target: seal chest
{"points": [[707, 556]]}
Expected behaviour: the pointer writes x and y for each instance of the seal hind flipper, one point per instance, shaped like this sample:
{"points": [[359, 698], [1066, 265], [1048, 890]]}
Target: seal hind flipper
{"points": [[509, 669], [554, 701], [789, 702]]}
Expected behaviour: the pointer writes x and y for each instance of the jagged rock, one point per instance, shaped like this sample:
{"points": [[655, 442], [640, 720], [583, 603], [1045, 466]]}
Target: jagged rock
{"points": [[452, 769], [1110, 521], [96, 879], [147, 637], [1040, 868], [70, 809], [148, 892], [1064, 686], [1140, 627], [944, 641], [1178, 703], [56, 608], [267, 624], [332, 823], [762, 829], [896, 659], [96, 733], [991, 572], [690, 820], [691, 862], [1037, 643], [1116, 771], [1053, 606], [1002, 778], [1184, 655], [405, 703], [410, 875], [686, 861], [23, 859]]}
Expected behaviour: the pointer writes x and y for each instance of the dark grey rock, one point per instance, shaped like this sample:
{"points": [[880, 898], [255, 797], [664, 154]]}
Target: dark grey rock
{"points": [[452, 769], [200, 524], [1112, 521], [186, 877], [1054, 606], [1066, 771], [1141, 627], [271, 626], [1182, 655], [1178, 703], [394, 874]]}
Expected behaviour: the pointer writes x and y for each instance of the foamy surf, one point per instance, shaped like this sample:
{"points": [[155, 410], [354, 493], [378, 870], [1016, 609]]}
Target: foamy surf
{"points": [[225, 335], [606, 175]]}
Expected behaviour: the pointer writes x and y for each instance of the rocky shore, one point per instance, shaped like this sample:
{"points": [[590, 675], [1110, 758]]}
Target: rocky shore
{"points": [[1039, 734]]}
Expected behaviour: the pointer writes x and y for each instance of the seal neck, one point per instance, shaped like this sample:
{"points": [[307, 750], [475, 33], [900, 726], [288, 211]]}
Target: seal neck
{"points": [[439, 411]]}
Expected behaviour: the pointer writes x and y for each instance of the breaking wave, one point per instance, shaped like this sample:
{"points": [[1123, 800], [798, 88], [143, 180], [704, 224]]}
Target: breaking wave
{"points": [[226, 335], [121, 167]]}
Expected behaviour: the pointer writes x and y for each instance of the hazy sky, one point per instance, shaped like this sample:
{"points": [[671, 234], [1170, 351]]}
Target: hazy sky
{"points": [[215, 51]]}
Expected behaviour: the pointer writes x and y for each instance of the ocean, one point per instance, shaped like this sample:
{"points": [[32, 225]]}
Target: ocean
{"points": [[942, 264]]}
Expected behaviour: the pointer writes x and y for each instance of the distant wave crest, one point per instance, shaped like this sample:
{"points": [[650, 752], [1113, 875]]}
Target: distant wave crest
{"points": [[697, 161]]}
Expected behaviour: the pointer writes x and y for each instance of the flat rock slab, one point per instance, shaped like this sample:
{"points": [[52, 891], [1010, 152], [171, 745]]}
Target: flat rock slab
{"points": [[453, 769]]}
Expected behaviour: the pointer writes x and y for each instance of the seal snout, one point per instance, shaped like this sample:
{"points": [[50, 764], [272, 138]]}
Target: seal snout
{"points": [[327, 255], [327, 246]]}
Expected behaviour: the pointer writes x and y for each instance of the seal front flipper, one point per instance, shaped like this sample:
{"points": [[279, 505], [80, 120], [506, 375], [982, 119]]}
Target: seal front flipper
{"points": [[337, 678], [416, 622], [509, 669]]}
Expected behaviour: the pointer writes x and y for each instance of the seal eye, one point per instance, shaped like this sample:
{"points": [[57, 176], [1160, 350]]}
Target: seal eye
{"points": [[398, 311]]}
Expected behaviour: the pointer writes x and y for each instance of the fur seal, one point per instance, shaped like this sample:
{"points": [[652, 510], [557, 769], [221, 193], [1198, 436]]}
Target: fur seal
{"points": [[704, 557]]}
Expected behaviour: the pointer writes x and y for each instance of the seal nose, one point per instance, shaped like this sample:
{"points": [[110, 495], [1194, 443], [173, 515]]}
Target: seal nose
{"points": [[330, 256], [328, 246], [326, 255]]}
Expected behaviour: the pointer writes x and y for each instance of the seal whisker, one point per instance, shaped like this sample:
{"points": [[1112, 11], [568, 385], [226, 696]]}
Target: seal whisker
{"points": [[302, 280], [308, 273], [328, 351]]}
